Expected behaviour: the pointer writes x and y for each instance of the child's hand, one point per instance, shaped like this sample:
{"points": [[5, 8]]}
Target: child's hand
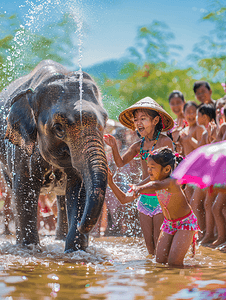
{"points": [[110, 175], [212, 130], [110, 140], [135, 189]]}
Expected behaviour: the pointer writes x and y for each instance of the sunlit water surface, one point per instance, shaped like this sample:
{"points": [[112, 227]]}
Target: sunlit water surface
{"points": [[112, 268]]}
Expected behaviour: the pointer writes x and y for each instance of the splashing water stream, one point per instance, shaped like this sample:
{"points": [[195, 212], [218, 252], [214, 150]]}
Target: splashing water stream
{"points": [[79, 33]]}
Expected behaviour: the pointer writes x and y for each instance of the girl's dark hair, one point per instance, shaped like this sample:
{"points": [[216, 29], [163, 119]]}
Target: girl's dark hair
{"points": [[153, 114], [189, 103], [165, 156], [209, 110], [176, 93]]}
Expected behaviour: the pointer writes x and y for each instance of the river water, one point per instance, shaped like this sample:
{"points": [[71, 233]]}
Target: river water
{"points": [[112, 268]]}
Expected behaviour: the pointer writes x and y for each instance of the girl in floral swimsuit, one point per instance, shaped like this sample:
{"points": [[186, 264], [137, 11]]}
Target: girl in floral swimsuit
{"points": [[180, 223], [149, 119]]}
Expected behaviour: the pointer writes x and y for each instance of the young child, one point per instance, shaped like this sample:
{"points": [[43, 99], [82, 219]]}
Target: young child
{"points": [[203, 92], [205, 115], [191, 135], [221, 118], [149, 119], [176, 102], [218, 206], [180, 223]]}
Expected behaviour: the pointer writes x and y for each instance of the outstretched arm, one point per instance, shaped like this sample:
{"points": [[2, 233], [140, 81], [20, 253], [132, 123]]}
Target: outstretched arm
{"points": [[127, 157], [120, 195], [152, 186]]}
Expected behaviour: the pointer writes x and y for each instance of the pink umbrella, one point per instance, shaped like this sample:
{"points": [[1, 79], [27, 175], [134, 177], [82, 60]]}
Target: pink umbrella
{"points": [[205, 166]]}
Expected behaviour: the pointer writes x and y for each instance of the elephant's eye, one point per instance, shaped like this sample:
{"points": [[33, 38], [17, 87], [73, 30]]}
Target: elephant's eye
{"points": [[59, 131]]}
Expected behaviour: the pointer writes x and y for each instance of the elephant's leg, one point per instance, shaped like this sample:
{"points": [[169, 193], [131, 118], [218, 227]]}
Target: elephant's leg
{"points": [[7, 212], [26, 188], [62, 225], [75, 205]]}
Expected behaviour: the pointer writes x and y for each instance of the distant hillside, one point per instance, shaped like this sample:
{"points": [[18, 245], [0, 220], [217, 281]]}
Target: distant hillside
{"points": [[110, 69]]}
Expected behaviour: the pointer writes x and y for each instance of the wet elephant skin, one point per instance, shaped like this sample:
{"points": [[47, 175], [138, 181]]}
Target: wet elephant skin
{"points": [[46, 128]]}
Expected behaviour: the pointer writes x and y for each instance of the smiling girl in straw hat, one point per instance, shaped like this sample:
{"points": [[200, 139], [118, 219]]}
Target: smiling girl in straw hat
{"points": [[149, 119]]}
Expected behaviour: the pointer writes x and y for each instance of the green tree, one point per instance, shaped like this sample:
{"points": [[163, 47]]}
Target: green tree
{"points": [[209, 53], [120, 94], [153, 44], [21, 49]]}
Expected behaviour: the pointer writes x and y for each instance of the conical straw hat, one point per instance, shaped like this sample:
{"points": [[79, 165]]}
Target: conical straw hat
{"points": [[126, 116]]}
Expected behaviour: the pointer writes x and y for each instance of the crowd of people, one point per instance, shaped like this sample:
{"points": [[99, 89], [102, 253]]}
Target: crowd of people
{"points": [[168, 218], [142, 150]]}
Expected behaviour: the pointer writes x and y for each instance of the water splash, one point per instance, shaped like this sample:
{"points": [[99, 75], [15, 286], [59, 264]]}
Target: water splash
{"points": [[78, 19]]}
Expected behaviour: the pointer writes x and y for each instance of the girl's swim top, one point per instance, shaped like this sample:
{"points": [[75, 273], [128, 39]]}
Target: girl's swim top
{"points": [[145, 153], [164, 198]]}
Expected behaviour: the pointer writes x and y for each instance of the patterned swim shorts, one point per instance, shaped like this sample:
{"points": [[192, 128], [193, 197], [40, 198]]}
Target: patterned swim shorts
{"points": [[188, 222]]}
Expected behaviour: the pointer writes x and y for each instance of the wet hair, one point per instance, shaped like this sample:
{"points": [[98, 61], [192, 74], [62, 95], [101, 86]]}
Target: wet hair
{"points": [[209, 110], [197, 85], [189, 103], [176, 93], [165, 156], [152, 114]]}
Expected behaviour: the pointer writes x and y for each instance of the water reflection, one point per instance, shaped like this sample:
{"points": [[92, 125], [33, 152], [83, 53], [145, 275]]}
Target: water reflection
{"points": [[112, 268]]}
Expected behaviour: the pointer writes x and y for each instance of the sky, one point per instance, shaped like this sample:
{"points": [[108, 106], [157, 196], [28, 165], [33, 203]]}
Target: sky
{"points": [[112, 25]]}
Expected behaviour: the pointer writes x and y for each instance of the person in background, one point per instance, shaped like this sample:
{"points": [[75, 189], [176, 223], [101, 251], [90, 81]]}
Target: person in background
{"points": [[215, 201], [218, 130], [176, 102], [206, 115], [218, 210], [203, 92], [219, 113], [45, 213], [190, 136]]}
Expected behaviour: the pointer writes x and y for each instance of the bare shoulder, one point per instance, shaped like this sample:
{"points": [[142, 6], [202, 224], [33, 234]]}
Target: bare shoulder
{"points": [[170, 184], [165, 141], [173, 185], [135, 146]]}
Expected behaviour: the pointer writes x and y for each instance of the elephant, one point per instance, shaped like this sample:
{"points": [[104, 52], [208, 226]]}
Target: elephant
{"points": [[52, 124]]}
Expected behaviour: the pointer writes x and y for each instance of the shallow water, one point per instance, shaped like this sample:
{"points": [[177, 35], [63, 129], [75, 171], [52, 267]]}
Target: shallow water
{"points": [[112, 268]]}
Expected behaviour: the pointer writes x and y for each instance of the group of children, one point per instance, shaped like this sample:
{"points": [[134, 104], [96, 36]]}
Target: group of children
{"points": [[170, 215]]}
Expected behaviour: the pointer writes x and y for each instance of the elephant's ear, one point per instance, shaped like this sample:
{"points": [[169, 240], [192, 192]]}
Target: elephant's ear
{"points": [[21, 126]]}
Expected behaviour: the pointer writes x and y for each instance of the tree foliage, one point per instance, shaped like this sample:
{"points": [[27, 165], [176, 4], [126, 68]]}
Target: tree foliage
{"points": [[153, 44], [209, 53], [21, 48], [154, 81]]}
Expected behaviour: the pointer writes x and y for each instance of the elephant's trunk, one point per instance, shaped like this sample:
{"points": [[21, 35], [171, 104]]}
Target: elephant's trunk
{"points": [[94, 173]]}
